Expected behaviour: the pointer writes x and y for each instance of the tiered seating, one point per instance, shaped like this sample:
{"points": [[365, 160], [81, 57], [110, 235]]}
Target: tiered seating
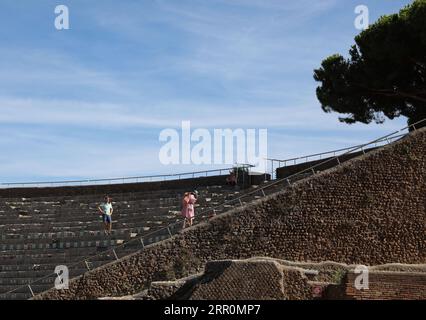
{"points": [[39, 233]]}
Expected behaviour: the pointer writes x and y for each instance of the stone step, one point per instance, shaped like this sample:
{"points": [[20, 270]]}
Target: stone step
{"points": [[67, 215], [140, 195], [117, 218]]}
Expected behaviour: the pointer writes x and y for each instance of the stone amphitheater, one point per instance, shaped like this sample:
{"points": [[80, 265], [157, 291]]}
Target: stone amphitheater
{"points": [[296, 237]]}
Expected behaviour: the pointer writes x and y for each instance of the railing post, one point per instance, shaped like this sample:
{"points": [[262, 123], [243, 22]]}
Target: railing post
{"points": [[115, 254], [31, 290], [87, 265], [266, 170], [143, 245], [170, 233], [263, 192]]}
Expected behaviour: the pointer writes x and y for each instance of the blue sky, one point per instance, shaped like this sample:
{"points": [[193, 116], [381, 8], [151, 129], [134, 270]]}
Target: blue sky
{"points": [[90, 102]]}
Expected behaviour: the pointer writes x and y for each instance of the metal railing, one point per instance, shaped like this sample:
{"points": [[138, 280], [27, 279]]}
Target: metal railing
{"points": [[273, 163], [168, 230], [122, 180]]}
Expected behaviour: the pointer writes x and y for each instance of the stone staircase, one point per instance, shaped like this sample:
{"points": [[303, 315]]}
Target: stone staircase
{"points": [[39, 233]]}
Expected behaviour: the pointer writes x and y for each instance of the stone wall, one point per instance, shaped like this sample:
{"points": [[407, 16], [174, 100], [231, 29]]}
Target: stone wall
{"points": [[382, 285], [250, 280], [370, 210], [261, 278], [388, 285]]}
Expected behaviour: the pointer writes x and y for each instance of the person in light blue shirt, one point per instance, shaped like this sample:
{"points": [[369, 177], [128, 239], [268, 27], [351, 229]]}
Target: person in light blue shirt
{"points": [[106, 210]]}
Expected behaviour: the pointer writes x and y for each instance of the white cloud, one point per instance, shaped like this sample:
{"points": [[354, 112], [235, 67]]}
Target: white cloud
{"points": [[105, 115]]}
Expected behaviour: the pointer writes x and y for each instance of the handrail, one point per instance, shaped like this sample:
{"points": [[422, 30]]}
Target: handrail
{"points": [[324, 153], [309, 158], [122, 179], [268, 185]]}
